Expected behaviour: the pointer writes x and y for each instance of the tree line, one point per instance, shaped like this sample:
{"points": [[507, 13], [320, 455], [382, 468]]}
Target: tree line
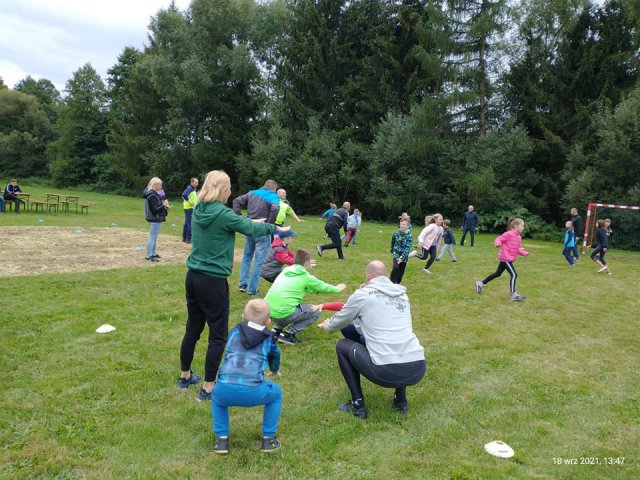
{"points": [[413, 105]]}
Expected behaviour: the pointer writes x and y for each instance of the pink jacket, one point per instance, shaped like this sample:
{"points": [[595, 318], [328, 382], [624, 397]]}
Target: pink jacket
{"points": [[510, 244]]}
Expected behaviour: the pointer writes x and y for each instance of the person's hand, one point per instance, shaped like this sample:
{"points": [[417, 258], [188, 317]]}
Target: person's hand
{"points": [[274, 374], [341, 286], [165, 203], [258, 220], [399, 261], [316, 308], [605, 249], [313, 262], [283, 229], [324, 325]]}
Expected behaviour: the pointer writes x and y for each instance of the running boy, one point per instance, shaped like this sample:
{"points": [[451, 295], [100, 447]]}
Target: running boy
{"points": [[449, 241], [602, 245], [250, 350], [510, 245], [401, 243]]}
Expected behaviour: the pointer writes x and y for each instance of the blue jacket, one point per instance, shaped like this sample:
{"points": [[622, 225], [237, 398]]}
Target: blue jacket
{"points": [[260, 203], [251, 348], [469, 220], [569, 238], [449, 239]]}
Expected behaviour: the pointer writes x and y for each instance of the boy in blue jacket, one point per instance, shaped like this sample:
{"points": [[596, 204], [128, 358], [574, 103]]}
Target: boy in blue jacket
{"points": [[569, 242], [251, 348]]}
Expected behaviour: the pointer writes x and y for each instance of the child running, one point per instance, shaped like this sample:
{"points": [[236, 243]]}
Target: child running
{"points": [[428, 240], [449, 242], [401, 243], [510, 245], [569, 243], [602, 245], [251, 348]]}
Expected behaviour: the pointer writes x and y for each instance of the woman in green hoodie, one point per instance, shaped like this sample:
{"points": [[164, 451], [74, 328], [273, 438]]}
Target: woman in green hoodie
{"points": [[213, 236]]}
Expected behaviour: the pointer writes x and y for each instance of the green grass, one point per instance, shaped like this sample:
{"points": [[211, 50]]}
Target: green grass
{"points": [[555, 376]]}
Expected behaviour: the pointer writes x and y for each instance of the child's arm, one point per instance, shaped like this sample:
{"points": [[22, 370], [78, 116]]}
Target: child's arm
{"points": [[283, 256], [273, 357], [521, 251]]}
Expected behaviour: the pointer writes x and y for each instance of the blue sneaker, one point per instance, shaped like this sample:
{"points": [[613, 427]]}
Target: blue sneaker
{"points": [[192, 380], [203, 396]]}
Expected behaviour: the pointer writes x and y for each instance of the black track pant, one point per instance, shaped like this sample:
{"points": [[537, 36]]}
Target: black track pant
{"points": [[397, 272], [334, 235], [354, 360], [207, 304], [502, 266]]}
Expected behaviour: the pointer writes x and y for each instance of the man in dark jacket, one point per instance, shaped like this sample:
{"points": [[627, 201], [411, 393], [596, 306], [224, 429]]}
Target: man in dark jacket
{"points": [[469, 224], [335, 222], [10, 192], [262, 205]]}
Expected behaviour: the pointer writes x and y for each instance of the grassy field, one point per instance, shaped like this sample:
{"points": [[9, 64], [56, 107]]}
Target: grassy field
{"points": [[556, 377]]}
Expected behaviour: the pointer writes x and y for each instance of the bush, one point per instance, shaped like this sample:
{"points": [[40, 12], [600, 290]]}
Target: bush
{"points": [[535, 227]]}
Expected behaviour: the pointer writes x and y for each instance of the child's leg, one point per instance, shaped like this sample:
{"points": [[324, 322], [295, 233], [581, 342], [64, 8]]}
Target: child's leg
{"points": [[303, 316], [219, 410], [496, 274], [432, 256], [423, 255], [595, 256], [442, 250], [602, 260], [453, 255], [567, 254], [574, 250], [514, 276], [272, 399]]}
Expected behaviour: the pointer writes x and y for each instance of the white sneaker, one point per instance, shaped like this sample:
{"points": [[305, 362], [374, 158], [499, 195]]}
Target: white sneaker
{"points": [[412, 253], [426, 271], [479, 286], [603, 269], [515, 297]]}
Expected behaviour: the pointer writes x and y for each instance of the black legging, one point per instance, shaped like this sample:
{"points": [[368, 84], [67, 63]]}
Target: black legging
{"points": [[397, 272], [354, 360], [334, 235], [207, 303], [431, 253], [598, 254], [471, 231], [502, 266]]}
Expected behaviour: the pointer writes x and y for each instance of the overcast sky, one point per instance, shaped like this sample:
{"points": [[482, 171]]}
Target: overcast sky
{"points": [[53, 38]]}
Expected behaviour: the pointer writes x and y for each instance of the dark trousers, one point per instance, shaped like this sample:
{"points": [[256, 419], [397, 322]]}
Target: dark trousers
{"points": [[428, 252], [598, 254], [397, 272], [354, 360], [472, 232], [16, 200], [566, 251], [186, 228], [207, 304], [334, 235], [502, 266], [349, 332]]}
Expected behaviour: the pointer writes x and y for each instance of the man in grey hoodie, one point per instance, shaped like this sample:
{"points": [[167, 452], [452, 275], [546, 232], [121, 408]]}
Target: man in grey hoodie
{"points": [[393, 356]]}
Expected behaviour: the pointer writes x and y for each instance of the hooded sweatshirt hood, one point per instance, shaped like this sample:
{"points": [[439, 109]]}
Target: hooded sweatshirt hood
{"points": [[252, 334]]}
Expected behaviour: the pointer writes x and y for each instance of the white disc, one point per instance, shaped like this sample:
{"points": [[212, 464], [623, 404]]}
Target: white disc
{"points": [[106, 328], [499, 449]]}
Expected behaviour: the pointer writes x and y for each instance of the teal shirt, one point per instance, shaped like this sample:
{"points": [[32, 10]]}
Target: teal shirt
{"points": [[213, 233]]}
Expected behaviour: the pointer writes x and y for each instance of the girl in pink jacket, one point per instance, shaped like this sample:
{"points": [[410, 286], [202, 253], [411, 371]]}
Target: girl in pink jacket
{"points": [[510, 245], [428, 240]]}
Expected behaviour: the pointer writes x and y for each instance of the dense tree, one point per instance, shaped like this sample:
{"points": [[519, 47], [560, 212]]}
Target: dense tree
{"points": [[45, 91], [82, 125]]}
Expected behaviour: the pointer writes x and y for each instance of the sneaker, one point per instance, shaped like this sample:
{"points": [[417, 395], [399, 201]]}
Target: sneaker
{"points": [[192, 380], [288, 338], [454, 261], [156, 256], [203, 396], [479, 286], [426, 271], [516, 297], [437, 259], [360, 413], [275, 332], [319, 250], [413, 253], [257, 292], [221, 445], [242, 288], [151, 259], [269, 444], [402, 407], [346, 245], [572, 265], [603, 269]]}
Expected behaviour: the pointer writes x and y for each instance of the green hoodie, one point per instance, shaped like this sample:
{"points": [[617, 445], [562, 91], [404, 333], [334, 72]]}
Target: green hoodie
{"points": [[287, 292], [213, 229]]}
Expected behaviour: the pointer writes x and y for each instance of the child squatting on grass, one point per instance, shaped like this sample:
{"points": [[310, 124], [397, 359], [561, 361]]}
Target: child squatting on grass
{"points": [[251, 348], [510, 245]]}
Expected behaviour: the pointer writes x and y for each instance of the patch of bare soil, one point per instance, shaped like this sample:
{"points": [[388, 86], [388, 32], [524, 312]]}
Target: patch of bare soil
{"points": [[50, 250]]}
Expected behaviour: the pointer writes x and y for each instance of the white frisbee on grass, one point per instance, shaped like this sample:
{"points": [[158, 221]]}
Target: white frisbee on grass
{"points": [[498, 448], [106, 328]]}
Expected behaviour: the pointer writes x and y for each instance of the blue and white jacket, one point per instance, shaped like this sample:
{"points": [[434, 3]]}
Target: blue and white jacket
{"points": [[260, 203], [251, 348]]}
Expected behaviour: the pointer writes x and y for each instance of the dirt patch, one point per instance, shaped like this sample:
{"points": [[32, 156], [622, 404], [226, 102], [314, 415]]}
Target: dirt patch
{"points": [[49, 250]]}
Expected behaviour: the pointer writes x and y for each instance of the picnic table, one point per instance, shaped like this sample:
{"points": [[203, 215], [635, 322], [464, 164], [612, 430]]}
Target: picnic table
{"points": [[25, 197], [70, 200]]}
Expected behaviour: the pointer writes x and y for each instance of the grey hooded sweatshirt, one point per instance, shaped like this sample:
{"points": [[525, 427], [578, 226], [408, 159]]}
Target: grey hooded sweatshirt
{"points": [[382, 313]]}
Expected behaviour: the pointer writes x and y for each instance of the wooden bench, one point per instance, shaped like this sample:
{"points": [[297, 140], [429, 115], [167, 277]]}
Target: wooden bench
{"points": [[83, 207], [40, 204]]}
